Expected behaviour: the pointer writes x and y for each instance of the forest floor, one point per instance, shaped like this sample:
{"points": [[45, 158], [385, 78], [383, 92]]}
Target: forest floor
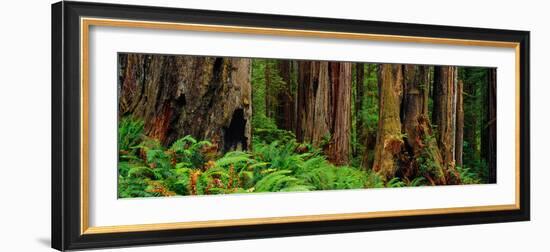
{"points": [[192, 167]]}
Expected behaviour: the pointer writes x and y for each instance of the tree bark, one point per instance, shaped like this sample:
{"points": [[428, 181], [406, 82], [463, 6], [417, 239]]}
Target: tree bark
{"points": [[412, 110], [446, 112], [446, 95], [426, 83], [360, 90], [206, 97], [459, 124], [285, 111], [307, 74], [339, 147], [389, 138], [322, 107]]}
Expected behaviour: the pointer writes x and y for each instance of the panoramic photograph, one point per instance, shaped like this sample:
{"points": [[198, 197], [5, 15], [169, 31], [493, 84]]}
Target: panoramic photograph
{"points": [[203, 125]]}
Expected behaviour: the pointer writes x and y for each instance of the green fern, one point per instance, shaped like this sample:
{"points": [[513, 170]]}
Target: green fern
{"points": [[395, 182], [277, 181], [129, 133]]}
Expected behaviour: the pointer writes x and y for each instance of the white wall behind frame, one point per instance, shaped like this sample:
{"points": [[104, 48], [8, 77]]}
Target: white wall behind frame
{"points": [[25, 111]]}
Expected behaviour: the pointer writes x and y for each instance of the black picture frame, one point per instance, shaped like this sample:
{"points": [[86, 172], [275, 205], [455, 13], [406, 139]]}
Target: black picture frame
{"points": [[66, 114]]}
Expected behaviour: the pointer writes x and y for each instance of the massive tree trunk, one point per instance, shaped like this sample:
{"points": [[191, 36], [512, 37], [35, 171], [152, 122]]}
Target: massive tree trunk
{"points": [[412, 110], [389, 138], [305, 100], [445, 93], [491, 127], [285, 111], [314, 102], [339, 147], [419, 146], [459, 142], [206, 97], [360, 90], [322, 106]]}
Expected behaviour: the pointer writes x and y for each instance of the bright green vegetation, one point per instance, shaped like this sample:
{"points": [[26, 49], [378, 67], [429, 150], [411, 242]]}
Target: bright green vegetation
{"points": [[189, 167]]}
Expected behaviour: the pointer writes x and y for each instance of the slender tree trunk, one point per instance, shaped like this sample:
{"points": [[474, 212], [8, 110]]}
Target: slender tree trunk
{"points": [[208, 98], [285, 111], [436, 98], [445, 115], [389, 138], [360, 90], [268, 99], [445, 96], [459, 124], [369, 140], [302, 99], [491, 127], [471, 124], [426, 83], [339, 148]]}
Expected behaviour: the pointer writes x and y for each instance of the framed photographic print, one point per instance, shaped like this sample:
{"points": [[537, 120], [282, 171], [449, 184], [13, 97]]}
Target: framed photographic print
{"points": [[179, 125]]}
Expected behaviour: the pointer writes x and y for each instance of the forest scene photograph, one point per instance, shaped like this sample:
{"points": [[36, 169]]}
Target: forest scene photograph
{"points": [[202, 125]]}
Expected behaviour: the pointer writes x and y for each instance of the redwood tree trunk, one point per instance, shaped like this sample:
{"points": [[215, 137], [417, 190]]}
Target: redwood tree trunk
{"points": [[339, 148], [360, 90], [445, 92], [321, 118], [206, 97], [412, 110], [446, 112], [285, 111], [308, 73], [459, 142], [324, 107], [389, 138]]}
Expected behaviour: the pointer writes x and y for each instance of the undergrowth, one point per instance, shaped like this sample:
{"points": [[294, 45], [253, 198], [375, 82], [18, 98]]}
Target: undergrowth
{"points": [[193, 167]]}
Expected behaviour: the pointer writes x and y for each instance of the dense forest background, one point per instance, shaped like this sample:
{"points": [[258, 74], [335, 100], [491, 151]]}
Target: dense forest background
{"points": [[204, 125]]}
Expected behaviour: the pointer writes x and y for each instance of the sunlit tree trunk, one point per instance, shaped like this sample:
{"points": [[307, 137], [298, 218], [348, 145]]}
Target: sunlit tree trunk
{"points": [[445, 92], [389, 138], [206, 97]]}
